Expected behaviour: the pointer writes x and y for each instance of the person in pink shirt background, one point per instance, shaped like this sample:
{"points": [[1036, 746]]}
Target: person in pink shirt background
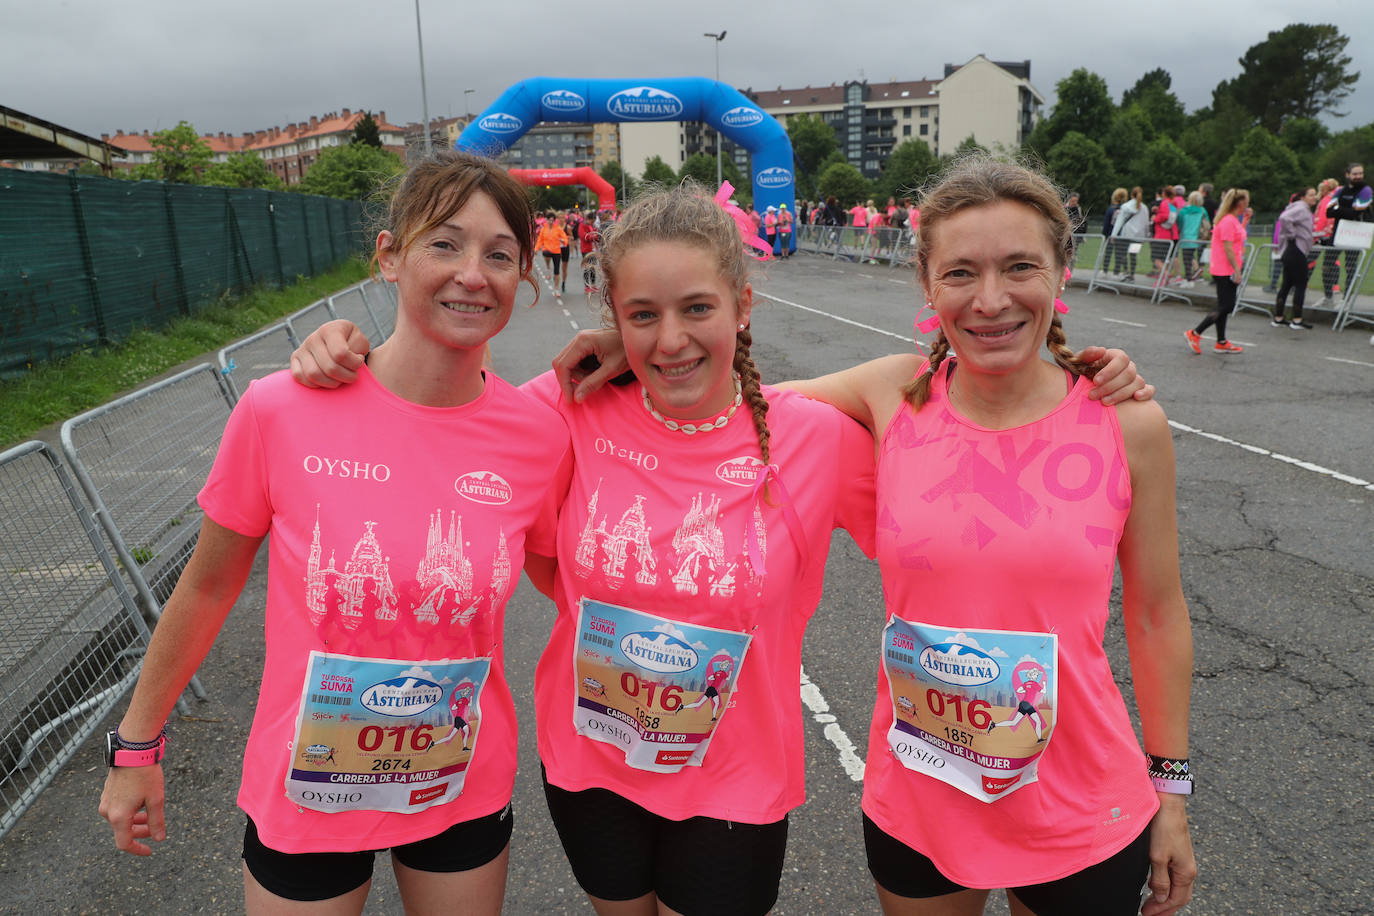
{"points": [[1228, 248], [389, 569], [1165, 221]]}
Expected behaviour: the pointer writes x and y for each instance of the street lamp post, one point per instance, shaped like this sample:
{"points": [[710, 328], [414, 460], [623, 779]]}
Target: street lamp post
{"points": [[717, 37], [467, 112], [424, 97]]}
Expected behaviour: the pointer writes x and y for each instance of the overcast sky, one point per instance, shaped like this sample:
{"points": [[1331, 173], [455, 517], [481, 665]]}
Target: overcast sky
{"points": [[100, 67]]}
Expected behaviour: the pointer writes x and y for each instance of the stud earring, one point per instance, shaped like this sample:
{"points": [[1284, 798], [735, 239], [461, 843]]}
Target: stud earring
{"points": [[741, 327]]}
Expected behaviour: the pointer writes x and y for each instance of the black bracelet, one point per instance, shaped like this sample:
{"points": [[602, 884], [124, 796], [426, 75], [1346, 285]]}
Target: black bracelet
{"points": [[141, 745]]}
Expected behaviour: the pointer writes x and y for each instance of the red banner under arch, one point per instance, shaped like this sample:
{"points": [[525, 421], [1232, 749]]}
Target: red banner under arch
{"points": [[582, 175]]}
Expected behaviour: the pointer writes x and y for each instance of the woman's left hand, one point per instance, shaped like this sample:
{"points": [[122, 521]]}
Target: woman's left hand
{"points": [[1117, 378], [1173, 869]]}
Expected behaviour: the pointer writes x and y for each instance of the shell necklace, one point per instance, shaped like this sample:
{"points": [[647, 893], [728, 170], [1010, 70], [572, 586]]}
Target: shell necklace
{"points": [[692, 429]]}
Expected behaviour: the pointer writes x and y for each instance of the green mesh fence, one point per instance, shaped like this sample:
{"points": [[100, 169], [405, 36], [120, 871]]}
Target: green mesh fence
{"points": [[84, 261]]}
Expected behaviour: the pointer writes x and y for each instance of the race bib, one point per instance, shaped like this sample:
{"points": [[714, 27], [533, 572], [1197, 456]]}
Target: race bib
{"points": [[972, 708], [654, 687], [384, 735]]}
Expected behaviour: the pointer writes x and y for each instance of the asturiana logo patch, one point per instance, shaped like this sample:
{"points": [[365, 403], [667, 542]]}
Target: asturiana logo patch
{"points": [[741, 471], [958, 664], [498, 122], [484, 487], [402, 696], [659, 652], [644, 103], [776, 177], [563, 100], [743, 116]]}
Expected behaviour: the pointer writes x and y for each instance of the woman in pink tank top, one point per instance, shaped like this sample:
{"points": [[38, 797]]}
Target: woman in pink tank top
{"points": [[1006, 498]]}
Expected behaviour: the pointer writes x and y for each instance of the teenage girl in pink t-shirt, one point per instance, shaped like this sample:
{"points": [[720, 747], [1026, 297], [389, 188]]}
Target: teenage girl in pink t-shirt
{"points": [[400, 510]]}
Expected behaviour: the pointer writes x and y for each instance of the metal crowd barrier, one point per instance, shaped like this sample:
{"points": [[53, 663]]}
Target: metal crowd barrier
{"points": [[256, 356], [352, 304], [382, 301], [308, 319], [71, 637], [1350, 291], [142, 460], [895, 247]]}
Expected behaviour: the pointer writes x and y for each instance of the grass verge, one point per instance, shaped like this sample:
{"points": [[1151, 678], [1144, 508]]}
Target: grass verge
{"points": [[56, 391]]}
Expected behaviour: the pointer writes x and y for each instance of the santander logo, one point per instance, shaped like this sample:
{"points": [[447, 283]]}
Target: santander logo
{"points": [[741, 471], [486, 487]]}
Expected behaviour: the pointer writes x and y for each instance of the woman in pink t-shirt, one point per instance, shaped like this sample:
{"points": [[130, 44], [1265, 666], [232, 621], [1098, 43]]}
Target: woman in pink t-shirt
{"points": [[1004, 622], [342, 758], [1228, 249]]}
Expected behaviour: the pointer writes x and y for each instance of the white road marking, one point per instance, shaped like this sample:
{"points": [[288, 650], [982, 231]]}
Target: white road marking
{"points": [[573, 323], [1255, 449], [858, 324], [867, 276], [905, 282], [852, 763], [1134, 324], [1353, 362]]}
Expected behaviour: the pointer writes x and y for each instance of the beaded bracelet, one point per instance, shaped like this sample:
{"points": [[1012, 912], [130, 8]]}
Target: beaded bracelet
{"points": [[141, 745], [1170, 774]]}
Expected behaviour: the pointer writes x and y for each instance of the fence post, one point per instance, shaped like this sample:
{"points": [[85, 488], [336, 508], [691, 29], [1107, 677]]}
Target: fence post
{"points": [[305, 226], [276, 242], [183, 304], [102, 333], [329, 223]]}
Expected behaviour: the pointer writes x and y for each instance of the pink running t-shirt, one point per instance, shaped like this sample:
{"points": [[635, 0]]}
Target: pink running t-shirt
{"points": [[1228, 231], [657, 521], [1012, 530], [410, 525]]}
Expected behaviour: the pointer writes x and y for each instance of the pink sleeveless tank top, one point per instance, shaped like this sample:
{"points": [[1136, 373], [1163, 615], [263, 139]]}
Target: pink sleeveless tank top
{"points": [[997, 549]]}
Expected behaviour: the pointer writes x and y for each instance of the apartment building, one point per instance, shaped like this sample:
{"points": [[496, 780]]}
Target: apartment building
{"points": [[288, 151]]}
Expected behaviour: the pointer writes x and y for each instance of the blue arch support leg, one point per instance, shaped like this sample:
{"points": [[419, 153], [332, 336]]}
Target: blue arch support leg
{"points": [[544, 98]]}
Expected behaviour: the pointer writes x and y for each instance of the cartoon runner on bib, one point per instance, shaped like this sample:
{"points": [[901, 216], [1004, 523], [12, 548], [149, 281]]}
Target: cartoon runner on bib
{"points": [[717, 672], [458, 703], [1029, 681]]}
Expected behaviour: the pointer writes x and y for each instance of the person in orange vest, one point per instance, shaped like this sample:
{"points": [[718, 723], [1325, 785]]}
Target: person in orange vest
{"points": [[551, 241], [770, 227], [784, 231]]}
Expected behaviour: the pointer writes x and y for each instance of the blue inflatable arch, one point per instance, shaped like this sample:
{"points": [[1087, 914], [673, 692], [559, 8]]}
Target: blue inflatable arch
{"points": [[543, 98]]}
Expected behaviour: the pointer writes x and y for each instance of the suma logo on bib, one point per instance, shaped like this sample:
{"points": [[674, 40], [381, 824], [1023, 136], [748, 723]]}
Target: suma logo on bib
{"points": [[486, 487]]}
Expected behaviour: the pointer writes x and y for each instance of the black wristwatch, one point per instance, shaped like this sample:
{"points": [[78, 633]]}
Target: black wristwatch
{"points": [[121, 753]]}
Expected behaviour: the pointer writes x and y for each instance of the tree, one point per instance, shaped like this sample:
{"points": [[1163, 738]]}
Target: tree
{"points": [[1213, 134], [1164, 162], [812, 140], [968, 145], [1305, 137], [846, 183], [909, 166], [1157, 78], [656, 171], [1348, 146], [1081, 164], [243, 170], [701, 167], [1037, 141], [626, 187], [1125, 139], [352, 172], [1082, 103], [179, 153], [1263, 166], [1299, 71], [366, 131]]}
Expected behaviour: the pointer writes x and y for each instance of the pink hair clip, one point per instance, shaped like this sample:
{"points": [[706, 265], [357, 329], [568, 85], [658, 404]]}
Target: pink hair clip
{"points": [[742, 220], [926, 325]]}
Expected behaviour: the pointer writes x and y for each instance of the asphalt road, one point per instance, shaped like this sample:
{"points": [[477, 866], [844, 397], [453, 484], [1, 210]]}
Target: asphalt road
{"points": [[1275, 451]]}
